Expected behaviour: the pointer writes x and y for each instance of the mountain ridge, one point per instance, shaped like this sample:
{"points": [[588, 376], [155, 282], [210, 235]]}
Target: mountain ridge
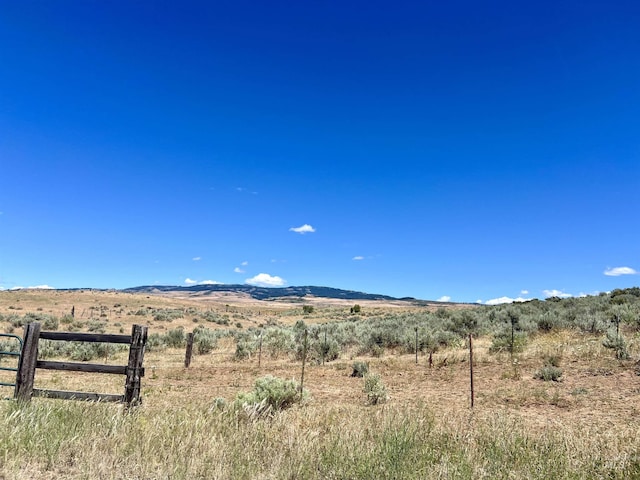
{"points": [[269, 293]]}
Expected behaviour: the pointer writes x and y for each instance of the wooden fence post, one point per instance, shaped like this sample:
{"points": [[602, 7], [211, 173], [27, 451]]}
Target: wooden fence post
{"points": [[134, 367], [27, 364], [260, 351], [189, 352], [416, 345]]}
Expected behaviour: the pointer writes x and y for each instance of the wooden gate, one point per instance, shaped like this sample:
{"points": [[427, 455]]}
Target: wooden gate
{"points": [[134, 370], [10, 353]]}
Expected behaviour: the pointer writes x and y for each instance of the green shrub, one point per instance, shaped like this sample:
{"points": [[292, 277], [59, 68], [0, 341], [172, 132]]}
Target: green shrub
{"points": [[213, 317], [360, 369], [617, 344], [271, 394], [90, 351], [502, 342], [167, 314], [155, 342], [551, 370], [374, 389], [277, 341], [175, 338], [548, 373], [204, 340], [329, 350], [244, 349], [96, 326]]}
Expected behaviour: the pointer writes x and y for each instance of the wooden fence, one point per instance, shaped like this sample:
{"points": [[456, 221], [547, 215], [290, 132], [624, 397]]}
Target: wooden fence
{"points": [[134, 370]]}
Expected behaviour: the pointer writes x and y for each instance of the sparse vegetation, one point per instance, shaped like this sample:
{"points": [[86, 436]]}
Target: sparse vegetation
{"points": [[424, 430]]}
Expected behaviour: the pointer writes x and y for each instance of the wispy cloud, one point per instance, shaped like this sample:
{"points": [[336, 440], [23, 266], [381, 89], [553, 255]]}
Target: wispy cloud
{"points": [[238, 270], [245, 263], [189, 281], [196, 259], [524, 292], [242, 190], [306, 228], [444, 298], [265, 280], [556, 293], [34, 287], [617, 271], [501, 300], [358, 257]]}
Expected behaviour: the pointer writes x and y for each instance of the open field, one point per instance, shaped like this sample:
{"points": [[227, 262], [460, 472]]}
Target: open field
{"points": [[584, 426]]}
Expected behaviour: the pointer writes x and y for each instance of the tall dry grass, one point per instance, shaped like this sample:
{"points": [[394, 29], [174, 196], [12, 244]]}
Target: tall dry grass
{"points": [[53, 439]]}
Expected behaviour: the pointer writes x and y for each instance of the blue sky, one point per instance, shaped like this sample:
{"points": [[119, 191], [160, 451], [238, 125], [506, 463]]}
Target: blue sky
{"points": [[441, 150]]}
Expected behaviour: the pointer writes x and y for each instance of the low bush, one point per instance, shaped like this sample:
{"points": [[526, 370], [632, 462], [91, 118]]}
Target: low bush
{"points": [[548, 373], [360, 369], [175, 338], [270, 394], [374, 389], [617, 344], [204, 340]]}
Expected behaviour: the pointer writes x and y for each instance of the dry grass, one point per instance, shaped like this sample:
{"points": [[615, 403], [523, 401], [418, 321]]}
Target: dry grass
{"points": [[582, 427]]}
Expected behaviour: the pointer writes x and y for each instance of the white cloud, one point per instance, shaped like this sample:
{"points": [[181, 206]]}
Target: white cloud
{"points": [[189, 281], [41, 287], [524, 292], [245, 263], [556, 293], [358, 257], [238, 270], [265, 280], [444, 298], [16, 288], [501, 300], [306, 228], [617, 271], [196, 259]]}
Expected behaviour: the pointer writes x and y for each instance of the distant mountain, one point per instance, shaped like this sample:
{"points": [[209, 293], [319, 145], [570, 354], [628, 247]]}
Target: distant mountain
{"points": [[262, 293]]}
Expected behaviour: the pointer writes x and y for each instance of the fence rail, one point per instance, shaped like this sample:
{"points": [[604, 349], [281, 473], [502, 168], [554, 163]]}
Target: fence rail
{"points": [[134, 370]]}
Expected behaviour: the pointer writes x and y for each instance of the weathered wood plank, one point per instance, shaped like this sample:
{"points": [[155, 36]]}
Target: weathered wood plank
{"points": [[86, 337], [134, 367], [82, 367], [86, 396], [27, 365]]}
